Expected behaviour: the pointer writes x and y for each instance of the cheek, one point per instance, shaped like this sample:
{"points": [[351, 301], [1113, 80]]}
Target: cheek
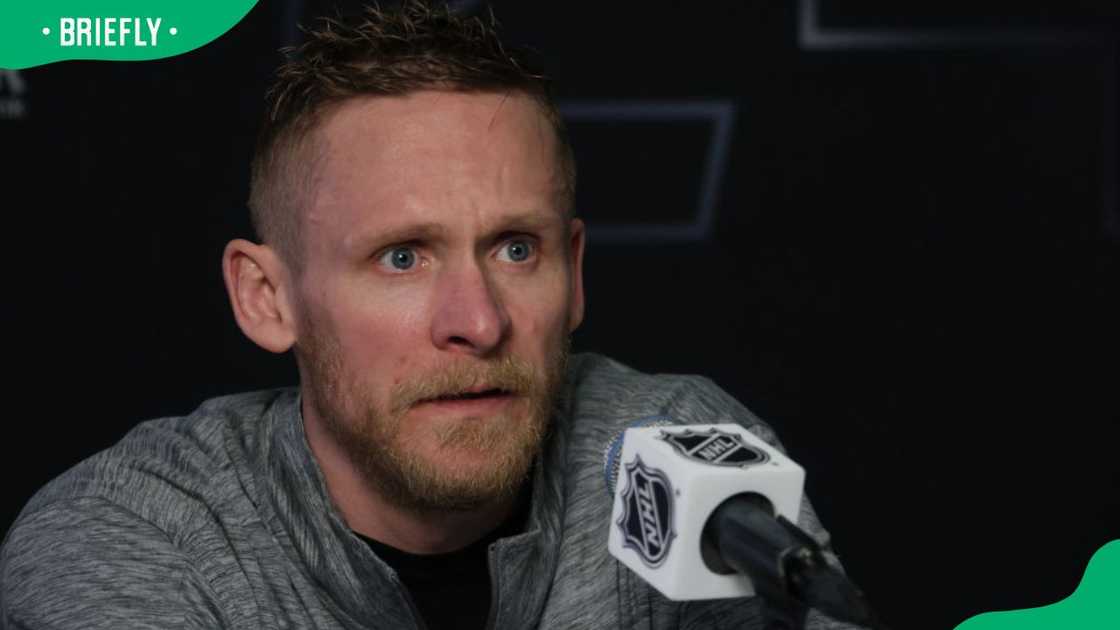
{"points": [[539, 313], [380, 338]]}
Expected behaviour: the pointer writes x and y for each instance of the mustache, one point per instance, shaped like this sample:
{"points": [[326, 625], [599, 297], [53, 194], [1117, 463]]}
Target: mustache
{"points": [[509, 375]]}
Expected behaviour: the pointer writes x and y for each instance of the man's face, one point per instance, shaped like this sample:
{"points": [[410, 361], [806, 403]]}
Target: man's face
{"points": [[440, 282]]}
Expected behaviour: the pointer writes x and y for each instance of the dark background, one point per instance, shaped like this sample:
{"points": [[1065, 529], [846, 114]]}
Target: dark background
{"points": [[891, 230]]}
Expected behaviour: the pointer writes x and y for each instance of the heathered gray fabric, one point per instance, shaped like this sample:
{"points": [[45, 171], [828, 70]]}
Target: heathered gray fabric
{"points": [[220, 519]]}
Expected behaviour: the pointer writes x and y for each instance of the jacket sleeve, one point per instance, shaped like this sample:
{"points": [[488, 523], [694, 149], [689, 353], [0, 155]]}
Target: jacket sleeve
{"points": [[87, 563]]}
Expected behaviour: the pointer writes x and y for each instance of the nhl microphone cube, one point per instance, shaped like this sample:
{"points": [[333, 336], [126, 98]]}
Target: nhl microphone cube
{"points": [[670, 480]]}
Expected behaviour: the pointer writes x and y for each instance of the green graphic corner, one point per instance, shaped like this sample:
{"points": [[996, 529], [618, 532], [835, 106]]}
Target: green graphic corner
{"points": [[39, 33], [1094, 604]]}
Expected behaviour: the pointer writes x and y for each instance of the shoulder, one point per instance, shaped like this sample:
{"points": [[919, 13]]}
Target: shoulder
{"points": [[123, 525], [614, 396], [91, 564], [164, 471], [604, 398]]}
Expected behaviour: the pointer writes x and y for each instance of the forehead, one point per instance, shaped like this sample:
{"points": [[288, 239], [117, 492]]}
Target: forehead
{"points": [[434, 150], [405, 117]]}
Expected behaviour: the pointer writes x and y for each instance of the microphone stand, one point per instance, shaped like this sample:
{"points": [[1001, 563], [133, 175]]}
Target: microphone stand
{"points": [[786, 565]]}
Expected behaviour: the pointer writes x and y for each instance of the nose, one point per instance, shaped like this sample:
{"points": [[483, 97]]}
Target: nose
{"points": [[468, 315]]}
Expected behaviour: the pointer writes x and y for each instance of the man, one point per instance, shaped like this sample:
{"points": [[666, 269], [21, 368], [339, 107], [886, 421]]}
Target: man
{"points": [[439, 464]]}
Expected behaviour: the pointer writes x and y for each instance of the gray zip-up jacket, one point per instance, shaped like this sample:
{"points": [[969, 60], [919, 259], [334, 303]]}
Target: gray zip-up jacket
{"points": [[221, 519]]}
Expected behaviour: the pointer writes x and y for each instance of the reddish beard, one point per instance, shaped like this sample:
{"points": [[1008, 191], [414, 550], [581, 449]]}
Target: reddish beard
{"points": [[476, 461]]}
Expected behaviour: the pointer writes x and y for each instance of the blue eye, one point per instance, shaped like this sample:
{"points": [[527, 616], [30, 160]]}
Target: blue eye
{"points": [[399, 258], [518, 250]]}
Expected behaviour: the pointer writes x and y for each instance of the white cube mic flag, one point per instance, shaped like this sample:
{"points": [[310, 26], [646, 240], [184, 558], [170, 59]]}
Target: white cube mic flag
{"points": [[708, 511]]}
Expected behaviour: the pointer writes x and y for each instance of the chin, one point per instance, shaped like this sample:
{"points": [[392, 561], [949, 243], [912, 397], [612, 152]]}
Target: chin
{"points": [[471, 473]]}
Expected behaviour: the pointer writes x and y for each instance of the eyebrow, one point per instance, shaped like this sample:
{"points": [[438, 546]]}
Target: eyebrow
{"points": [[526, 222], [408, 232], [430, 231]]}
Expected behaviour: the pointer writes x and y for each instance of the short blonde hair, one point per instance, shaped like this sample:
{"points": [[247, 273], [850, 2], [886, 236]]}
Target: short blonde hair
{"points": [[376, 53]]}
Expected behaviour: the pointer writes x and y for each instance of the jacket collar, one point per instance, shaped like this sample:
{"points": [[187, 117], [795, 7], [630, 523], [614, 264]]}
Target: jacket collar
{"points": [[354, 583]]}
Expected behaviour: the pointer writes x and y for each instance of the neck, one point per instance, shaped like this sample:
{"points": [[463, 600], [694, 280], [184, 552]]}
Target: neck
{"points": [[368, 512]]}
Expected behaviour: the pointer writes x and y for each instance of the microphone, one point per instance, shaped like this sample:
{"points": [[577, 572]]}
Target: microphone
{"points": [[708, 511]]}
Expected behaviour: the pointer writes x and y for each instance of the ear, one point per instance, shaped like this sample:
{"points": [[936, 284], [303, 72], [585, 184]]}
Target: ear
{"points": [[258, 285], [575, 259]]}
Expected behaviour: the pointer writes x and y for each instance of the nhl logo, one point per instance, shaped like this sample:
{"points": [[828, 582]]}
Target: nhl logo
{"points": [[647, 515], [715, 447]]}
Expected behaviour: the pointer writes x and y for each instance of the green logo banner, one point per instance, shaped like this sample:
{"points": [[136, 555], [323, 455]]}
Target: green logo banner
{"points": [[1094, 605], [33, 33]]}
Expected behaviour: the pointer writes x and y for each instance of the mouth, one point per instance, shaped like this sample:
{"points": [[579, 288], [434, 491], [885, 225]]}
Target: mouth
{"points": [[473, 395], [478, 400]]}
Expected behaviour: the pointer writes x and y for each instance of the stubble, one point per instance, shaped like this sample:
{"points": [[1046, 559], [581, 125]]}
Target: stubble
{"points": [[476, 461]]}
